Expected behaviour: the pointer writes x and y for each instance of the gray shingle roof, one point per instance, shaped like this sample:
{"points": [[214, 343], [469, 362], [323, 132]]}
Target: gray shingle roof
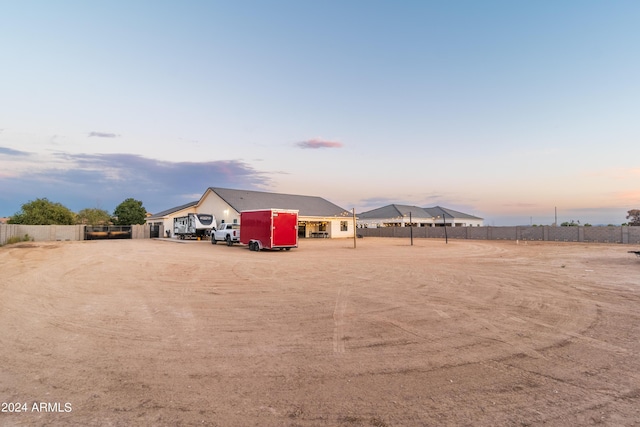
{"points": [[172, 210], [396, 211], [450, 213], [241, 200]]}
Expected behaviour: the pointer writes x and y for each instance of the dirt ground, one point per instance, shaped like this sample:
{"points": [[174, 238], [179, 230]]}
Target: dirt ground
{"points": [[477, 333]]}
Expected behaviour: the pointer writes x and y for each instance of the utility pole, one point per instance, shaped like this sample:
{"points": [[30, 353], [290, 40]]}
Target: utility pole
{"points": [[354, 228], [411, 227], [444, 222]]}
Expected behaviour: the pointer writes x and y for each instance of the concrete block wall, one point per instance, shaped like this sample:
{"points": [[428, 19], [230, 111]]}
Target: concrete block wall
{"points": [[41, 233], [631, 235], [478, 233], [624, 235], [603, 234], [504, 233], [140, 231], [7, 231], [455, 232], [531, 233], [563, 234]]}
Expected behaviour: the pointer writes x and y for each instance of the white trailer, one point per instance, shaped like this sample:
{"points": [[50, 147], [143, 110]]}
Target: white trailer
{"points": [[193, 225]]}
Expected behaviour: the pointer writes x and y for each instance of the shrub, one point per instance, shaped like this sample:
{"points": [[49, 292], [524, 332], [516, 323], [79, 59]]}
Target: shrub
{"points": [[18, 239]]}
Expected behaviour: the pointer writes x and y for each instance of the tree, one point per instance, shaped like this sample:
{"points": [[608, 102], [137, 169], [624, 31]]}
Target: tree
{"points": [[634, 217], [129, 212], [93, 216], [43, 212]]}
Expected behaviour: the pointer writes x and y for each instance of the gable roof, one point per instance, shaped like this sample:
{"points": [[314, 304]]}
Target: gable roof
{"points": [[172, 210], [242, 200], [438, 211], [394, 211], [398, 211]]}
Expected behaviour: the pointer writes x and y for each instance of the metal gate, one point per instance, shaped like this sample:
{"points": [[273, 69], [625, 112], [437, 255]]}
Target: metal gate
{"points": [[154, 231], [107, 232]]}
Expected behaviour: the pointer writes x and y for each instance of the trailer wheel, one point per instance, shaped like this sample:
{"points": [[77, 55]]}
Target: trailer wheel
{"points": [[287, 249]]}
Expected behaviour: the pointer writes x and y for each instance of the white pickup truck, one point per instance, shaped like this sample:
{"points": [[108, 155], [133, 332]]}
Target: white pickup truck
{"points": [[227, 232]]}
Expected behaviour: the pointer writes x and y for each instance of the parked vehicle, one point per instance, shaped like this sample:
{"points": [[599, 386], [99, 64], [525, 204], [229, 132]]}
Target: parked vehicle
{"points": [[227, 232], [269, 229], [193, 225]]}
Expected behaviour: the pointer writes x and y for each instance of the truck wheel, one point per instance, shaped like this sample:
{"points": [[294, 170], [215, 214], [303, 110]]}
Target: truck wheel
{"points": [[229, 242], [213, 240]]}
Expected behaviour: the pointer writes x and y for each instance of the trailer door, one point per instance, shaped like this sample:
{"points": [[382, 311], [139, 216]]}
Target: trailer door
{"points": [[285, 229]]}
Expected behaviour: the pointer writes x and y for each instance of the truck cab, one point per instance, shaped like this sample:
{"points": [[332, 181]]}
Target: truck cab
{"points": [[227, 232]]}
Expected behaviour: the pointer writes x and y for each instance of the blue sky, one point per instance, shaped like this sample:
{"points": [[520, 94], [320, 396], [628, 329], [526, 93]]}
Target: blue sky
{"points": [[501, 109]]}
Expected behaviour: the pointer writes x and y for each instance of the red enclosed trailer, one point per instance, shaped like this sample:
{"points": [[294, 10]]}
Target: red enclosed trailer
{"points": [[269, 229]]}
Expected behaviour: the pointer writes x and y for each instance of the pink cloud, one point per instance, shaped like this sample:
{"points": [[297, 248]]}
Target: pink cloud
{"points": [[319, 143]]}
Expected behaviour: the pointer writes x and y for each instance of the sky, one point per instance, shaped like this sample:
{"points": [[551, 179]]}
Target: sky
{"points": [[507, 110]]}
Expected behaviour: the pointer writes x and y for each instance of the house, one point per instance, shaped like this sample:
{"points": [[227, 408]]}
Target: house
{"points": [[395, 215], [317, 217]]}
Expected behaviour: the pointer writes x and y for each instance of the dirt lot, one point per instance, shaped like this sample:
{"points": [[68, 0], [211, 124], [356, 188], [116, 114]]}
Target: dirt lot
{"points": [[150, 332]]}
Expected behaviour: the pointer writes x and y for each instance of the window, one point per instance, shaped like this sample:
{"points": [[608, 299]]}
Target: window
{"points": [[344, 225]]}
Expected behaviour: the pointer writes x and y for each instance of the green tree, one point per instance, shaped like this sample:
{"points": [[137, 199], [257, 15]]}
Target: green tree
{"points": [[129, 212], [634, 217], [43, 212], [93, 216]]}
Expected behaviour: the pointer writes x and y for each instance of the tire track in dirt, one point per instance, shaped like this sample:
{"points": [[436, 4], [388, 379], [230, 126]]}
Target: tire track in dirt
{"points": [[388, 334], [339, 321]]}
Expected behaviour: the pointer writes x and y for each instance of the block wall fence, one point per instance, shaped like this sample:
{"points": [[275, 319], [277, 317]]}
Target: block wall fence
{"points": [[43, 233], [623, 235], [619, 234]]}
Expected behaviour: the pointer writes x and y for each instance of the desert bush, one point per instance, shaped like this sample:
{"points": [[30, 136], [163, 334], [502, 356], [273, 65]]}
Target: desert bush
{"points": [[18, 239]]}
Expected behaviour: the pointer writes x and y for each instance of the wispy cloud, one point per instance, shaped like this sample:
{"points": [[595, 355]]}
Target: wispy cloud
{"points": [[103, 135], [78, 180], [316, 143], [12, 152]]}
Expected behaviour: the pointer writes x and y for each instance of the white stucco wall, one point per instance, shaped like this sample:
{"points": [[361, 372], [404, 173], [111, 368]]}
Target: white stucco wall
{"points": [[211, 203], [336, 231]]}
